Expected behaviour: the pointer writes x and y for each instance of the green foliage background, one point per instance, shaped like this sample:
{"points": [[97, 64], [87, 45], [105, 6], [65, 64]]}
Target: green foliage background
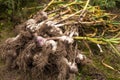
{"points": [[17, 10], [13, 12], [106, 3]]}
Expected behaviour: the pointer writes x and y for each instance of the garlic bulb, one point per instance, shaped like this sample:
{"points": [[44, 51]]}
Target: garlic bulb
{"points": [[79, 58], [54, 27], [53, 43], [31, 25], [72, 66], [40, 40]]}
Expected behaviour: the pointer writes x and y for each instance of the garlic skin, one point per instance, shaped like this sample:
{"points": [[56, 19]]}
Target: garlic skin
{"points": [[53, 43], [66, 38], [31, 25], [72, 66], [54, 27], [30, 22], [80, 58], [59, 30], [44, 14], [40, 40]]}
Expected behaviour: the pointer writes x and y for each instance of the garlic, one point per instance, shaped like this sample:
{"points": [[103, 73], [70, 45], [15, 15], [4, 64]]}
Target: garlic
{"points": [[72, 66], [44, 14], [31, 25], [81, 57], [53, 43], [40, 40], [54, 27], [66, 38], [59, 30], [30, 22], [68, 63]]}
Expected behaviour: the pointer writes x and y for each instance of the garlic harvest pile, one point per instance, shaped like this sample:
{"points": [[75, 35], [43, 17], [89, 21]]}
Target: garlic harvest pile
{"points": [[49, 44], [44, 48]]}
